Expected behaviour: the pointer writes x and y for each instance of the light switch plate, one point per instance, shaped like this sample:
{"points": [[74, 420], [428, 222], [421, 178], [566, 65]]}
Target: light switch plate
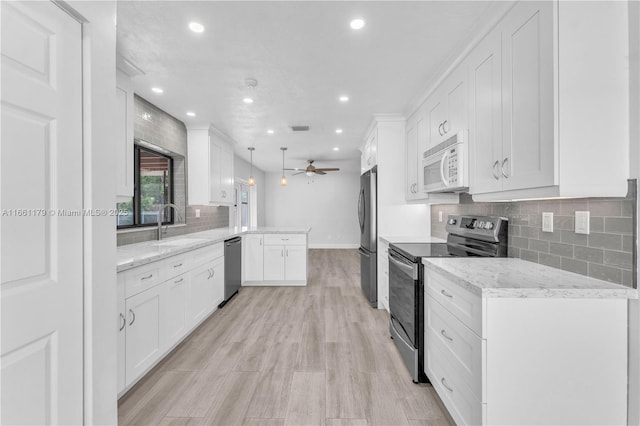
{"points": [[582, 222], [547, 222], [197, 212], [440, 216]]}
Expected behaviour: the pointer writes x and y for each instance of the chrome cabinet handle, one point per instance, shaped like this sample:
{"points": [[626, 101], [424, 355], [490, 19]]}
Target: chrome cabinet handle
{"points": [[147, 277], [133, 317], [287, 252], [209, 271], [502, 168], [282, 253], [178, 265], [496, 176], [179, 281], [284, 239], [444, 383], [440, 130], [213, 273], [444, 127], [260, 241], [445, 335], [124, 321], [444, 293]]}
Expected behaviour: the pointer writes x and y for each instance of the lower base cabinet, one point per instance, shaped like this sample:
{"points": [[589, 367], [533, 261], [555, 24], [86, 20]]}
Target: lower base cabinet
{"points": [[275, 259], [153, 321]]}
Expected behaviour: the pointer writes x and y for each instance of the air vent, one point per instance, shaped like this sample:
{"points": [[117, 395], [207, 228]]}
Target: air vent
{"points": [[299, 128]]}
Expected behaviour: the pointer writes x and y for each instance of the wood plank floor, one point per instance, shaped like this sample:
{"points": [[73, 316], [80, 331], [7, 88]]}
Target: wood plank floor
{"points": [[314, 355]]}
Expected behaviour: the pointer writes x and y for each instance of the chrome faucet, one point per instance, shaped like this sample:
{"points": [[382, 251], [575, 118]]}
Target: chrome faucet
{"points": [[161, 217]]}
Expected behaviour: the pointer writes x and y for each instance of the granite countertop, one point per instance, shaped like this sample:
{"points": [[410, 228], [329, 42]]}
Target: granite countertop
{"points": [[410, 239], [508, 277], [132, 255]]}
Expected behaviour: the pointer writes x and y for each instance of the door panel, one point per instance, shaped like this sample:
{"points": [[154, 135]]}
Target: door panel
{"points": [[295, 263], [253, 257], [174, 309], [273, 263], [41, 254], [143, 336]]}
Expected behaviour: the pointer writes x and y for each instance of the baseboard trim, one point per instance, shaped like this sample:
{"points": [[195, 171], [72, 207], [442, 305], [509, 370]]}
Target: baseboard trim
{"points": [[334, 246]]}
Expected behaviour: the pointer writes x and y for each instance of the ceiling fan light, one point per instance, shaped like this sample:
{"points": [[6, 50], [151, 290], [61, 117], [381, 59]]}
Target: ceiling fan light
{"points": [[310, 174]]}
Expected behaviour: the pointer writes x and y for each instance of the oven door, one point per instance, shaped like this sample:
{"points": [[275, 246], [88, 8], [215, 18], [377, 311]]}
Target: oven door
{"points": [[403, 283]]}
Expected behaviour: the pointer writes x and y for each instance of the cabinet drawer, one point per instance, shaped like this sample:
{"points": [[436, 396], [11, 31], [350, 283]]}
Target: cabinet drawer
{"points": [[464, 305], [177, 265], [139, 279], [285, 239], [464, 407], [206, 254], [463, 346]]}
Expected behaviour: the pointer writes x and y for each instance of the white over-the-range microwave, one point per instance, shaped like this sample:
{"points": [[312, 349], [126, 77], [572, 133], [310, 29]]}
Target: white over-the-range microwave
{"points": [[445, 166]]}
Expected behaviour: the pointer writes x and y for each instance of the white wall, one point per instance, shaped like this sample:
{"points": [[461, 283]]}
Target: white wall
{"points": [[329, 206], [99, 104], [242, 170]]}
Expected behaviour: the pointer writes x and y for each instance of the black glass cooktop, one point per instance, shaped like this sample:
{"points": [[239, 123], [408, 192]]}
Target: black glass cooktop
{"points": [[416, 251]]}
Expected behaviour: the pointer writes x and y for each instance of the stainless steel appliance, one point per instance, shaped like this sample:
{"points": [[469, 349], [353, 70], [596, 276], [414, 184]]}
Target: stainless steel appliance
{"points": [[468, 236], [367, 204], [232, 268], [445, 166]]}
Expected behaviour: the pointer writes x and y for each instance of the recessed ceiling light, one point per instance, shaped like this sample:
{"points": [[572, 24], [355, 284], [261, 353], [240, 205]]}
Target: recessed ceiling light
{"points": [[338, 131], [196, 27], [247, 100], [335, 148], [270, 131], [191, 114], [344, 98], [157, 90], [357, 24]]}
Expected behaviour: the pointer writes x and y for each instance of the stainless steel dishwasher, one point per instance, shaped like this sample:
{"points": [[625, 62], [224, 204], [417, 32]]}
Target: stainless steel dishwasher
{"points": [[232, 268]]}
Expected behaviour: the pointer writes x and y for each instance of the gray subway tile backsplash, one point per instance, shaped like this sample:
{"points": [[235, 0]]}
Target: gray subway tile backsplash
{"points": [[606, 253]]}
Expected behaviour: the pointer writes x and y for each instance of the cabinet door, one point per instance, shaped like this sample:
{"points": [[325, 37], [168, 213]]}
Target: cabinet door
{"points": [[124, 137], [411, 157], [174, 310], [437, 115], [226, 175], [485, 134], [373, 149], [215, 162], [217, 291], [253, 257], [143, 337], [295, 263], [202, 293], [528, 110], [122, 329], [457, 98], [273, 263], [364, 157]]}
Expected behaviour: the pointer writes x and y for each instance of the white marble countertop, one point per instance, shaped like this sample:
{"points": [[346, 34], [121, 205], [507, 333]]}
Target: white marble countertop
{"points": [[132, 255], [508, 277], [396, 239]]}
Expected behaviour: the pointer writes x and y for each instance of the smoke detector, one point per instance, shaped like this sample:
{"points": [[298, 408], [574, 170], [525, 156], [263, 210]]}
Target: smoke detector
{"points": [[299, 128], [251, 82]]}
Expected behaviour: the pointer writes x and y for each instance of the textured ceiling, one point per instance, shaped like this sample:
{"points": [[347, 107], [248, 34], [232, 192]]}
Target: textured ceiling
{"points": [[304, 56]]}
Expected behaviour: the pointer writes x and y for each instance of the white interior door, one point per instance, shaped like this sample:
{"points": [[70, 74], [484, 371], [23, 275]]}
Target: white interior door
{"points": [[41, 249]]}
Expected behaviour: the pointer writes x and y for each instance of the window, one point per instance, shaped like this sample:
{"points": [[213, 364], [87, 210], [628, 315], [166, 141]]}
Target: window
{"points": [[153, 176]]}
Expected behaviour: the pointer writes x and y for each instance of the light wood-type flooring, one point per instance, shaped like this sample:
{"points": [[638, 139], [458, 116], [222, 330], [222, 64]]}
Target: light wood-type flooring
{"points": [[314, 355]]}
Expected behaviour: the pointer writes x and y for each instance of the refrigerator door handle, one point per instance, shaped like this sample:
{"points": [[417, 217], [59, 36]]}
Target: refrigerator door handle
{"points": [[364, 253], [363, 211]]}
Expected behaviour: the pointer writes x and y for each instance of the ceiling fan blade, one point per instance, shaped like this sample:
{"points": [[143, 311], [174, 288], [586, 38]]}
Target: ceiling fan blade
{"points": [[296, 169], [319, 172], [299, 173], [328, 169]]}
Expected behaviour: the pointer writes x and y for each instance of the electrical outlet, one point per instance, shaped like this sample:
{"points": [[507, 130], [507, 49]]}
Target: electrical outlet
{"points": [[197, 212], [440, 216], [547, 222], [582, 222]]}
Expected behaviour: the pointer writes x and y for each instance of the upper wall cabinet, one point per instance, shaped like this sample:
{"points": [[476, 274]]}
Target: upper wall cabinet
{"points": [[369, 150], [125, 117], [210, 167], [538, 84], [448, 107]]}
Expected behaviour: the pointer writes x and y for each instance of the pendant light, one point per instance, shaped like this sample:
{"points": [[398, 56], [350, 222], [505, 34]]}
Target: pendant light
{"points": [[283, 180], [252, 181]]}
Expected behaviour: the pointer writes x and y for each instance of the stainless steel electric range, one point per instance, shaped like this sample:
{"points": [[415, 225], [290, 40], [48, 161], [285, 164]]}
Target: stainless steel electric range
{"points": [[468, 236]]}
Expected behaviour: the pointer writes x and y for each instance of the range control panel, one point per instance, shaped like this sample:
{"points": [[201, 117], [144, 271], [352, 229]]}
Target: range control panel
{"points": [[486, 228]]}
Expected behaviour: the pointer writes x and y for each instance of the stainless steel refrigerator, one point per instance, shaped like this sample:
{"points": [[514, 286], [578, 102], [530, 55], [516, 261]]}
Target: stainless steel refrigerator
{"points": [[367, 204]]}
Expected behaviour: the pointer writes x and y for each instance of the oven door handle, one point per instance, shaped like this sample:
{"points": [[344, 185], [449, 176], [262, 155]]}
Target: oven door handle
{"points": [[408, 268]]}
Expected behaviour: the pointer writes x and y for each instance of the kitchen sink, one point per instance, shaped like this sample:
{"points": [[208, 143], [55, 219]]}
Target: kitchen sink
{"points": [[179, 243]]}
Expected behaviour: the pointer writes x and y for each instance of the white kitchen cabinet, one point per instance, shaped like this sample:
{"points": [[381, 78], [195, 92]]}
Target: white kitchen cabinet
{"points": [[285, 259], [416, 139], [555, 70], [123, 143], [143, 334], [253, 257], [174, 309], [122, 326], [206, 290], [210, 170], [498, 360], [447, 109], [369, 150]]}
